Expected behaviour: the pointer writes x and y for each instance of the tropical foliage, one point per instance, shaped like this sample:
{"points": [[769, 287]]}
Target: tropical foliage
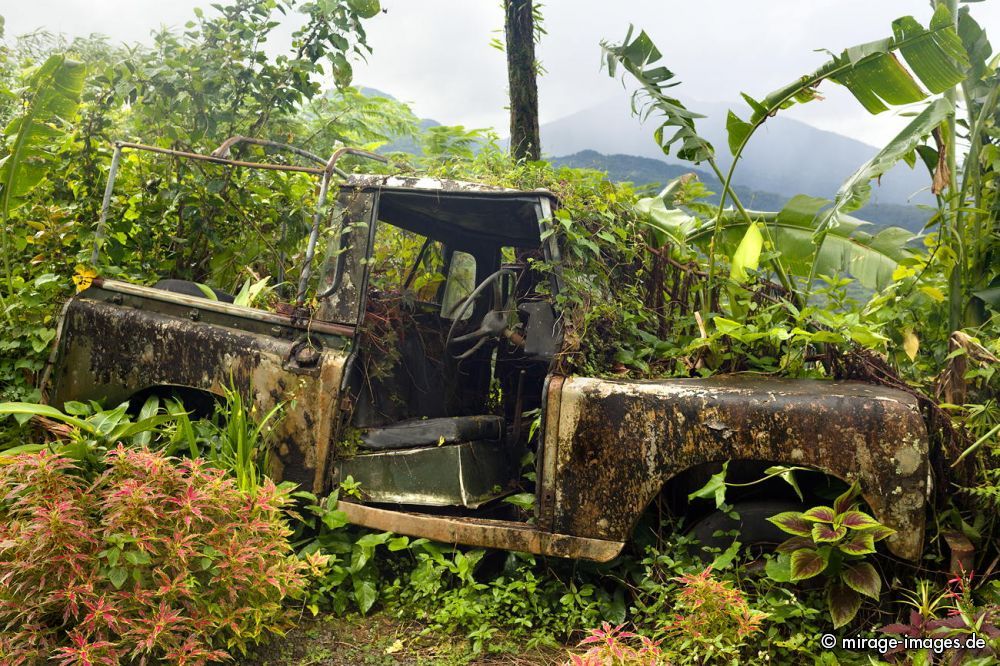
{"points": [[117, 520], [154, 560], [831, 541]]}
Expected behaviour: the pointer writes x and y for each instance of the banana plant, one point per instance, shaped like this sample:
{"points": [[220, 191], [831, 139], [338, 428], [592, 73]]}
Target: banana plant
{"points": [[872, 72], [848, 247], [53, 96]]}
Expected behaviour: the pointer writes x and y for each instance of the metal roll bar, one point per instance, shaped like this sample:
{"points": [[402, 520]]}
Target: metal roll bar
{"points": [[221, 155]]}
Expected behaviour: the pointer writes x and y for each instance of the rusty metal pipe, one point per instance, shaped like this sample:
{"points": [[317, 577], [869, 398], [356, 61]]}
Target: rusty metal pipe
{"points": [[300, 296], [223, 150], [222, 160], [331, 165]]}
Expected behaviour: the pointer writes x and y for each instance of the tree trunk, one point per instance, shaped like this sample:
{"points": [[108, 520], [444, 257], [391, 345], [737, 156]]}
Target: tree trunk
{"points": [[519, 29]]}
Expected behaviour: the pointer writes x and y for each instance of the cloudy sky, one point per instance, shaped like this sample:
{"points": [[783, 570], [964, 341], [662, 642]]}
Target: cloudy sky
{"points": [[436, 55]]}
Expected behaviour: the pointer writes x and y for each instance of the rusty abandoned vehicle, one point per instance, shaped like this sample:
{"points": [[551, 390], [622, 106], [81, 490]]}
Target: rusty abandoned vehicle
{"points": [[430, 419]]}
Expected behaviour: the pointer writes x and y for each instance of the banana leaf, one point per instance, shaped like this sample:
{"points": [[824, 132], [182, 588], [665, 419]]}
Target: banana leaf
{"points": [[855, 191], [871, 258], [639, 57], [55, 94], [873, 73]]}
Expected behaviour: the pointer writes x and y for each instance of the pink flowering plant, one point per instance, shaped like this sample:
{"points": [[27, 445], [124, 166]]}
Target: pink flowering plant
{"points": [[713, 620], [964, 617], [157, 560], [614, 646]]}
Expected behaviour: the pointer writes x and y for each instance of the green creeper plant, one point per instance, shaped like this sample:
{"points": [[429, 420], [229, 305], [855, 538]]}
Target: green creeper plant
{"points": [[832, 541]]}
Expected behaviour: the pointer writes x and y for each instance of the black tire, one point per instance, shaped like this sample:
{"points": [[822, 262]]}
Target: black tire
{"points": [[756, 533], [190, 289]]}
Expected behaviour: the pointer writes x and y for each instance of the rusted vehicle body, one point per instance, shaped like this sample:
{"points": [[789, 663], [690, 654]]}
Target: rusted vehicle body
{"points": [[419, 382]]}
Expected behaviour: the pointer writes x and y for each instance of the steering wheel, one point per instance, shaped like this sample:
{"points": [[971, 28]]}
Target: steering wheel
{"points": [[494, 322]]}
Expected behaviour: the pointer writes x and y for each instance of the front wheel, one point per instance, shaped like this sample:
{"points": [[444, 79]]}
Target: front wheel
{"points": [[753, 530]]}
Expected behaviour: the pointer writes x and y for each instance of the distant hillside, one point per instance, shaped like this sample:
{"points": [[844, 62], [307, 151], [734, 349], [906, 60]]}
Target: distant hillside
{"points": [[402, 144], [767, 172], [786, 156], [646, 171]]}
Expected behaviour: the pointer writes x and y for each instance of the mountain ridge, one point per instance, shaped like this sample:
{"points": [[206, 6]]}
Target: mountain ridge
{"points": [[644, 171], [786, 156]]}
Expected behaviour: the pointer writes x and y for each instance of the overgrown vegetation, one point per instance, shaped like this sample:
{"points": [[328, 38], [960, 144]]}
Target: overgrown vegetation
{"points": [[115, 523], [153, 560]]}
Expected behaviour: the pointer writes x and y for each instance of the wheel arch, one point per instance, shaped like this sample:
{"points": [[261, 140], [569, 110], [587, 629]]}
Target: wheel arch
{"points": [[612, 446]]}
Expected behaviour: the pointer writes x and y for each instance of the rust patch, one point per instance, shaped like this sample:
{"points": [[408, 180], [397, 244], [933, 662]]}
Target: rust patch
{"points": [[619, 442], [110, 352]]}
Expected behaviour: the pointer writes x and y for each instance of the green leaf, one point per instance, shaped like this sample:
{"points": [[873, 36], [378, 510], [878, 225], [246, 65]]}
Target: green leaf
{"points": [[365, 8], [137, 557], [843, 603], [858, 543], [726, 557], [848, 248], [792, 544], [787, 474], [76, 408], [149, 408], [792, 522], [779, 569], [820, 514], [524, 501], [937, 56], [207, 291], [23, 448], [880, 532], [117, 576], [807, 563], [715, 488], [847, 498], [364, 549], [55, 94], [30, 409], [862, 577], [738, 131], [144, 427], [825, 533], [639, 57], [113, 554], [334, 519], [990, 296], [666, 223], [875, 77], [747, 255], [365, 593], [250, 292], [855, 191], [858, 520]]}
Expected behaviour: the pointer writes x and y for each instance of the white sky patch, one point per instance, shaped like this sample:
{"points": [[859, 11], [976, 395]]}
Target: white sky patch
{"points": [[435, 54]]}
